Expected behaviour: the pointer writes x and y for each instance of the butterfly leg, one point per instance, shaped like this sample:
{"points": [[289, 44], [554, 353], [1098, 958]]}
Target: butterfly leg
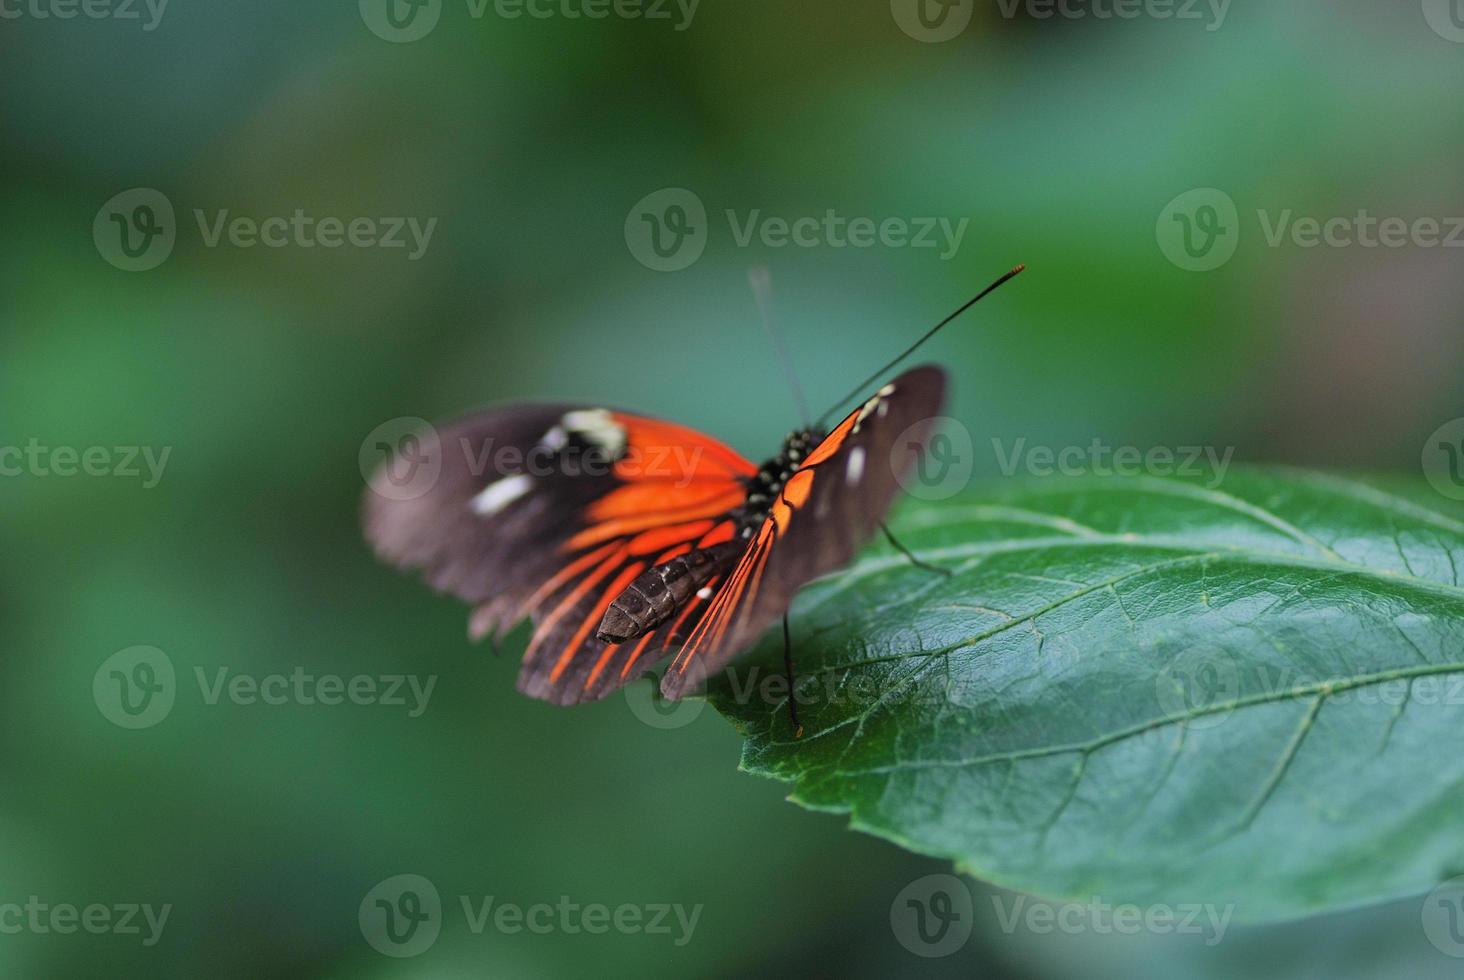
{"points": [[788, 670], [910, 554]]}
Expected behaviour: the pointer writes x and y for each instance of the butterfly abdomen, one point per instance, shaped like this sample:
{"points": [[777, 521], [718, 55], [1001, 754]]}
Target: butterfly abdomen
{"points": [[655, 595]]}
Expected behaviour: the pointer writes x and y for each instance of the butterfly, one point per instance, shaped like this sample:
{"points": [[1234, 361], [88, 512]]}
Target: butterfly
{"points": [[628, 539]]}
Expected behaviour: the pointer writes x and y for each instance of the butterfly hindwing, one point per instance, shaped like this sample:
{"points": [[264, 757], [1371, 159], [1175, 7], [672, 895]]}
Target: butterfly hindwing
{"points": [[546, 511]]}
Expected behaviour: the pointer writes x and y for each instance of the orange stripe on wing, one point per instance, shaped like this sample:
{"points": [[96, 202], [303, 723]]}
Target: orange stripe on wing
{"points": [[720, 534], [617, 586], [569, 571], [832, 441], [747, 577], [657, 539], [712, 507], [719, 615], [637, 499], [568, 602], [700, 451]]}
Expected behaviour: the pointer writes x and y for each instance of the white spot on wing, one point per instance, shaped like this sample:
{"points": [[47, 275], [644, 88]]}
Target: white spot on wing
{"points": [[555, 439], [704, 593], [500, 493], [597, 426], [856, 464]]}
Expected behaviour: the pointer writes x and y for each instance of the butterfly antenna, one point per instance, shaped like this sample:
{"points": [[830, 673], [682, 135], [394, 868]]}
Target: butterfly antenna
{"points": [[762, 290], [822, 419]]}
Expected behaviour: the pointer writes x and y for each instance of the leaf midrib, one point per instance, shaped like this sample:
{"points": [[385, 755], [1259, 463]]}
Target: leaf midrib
{"points": [[1316, 689]]}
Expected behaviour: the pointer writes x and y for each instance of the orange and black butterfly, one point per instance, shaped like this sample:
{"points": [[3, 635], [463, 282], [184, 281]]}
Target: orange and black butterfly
{"points": [[628, 539]]}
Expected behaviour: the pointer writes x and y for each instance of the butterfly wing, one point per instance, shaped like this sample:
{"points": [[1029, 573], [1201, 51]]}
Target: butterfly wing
{"points": [[549, 511], [825, 512]]}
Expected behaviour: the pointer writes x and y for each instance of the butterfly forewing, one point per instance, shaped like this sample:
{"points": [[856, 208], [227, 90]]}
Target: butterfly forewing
{"points": [[824, 513]]}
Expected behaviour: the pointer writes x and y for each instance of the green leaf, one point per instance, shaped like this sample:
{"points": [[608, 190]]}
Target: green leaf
{"points": [[1146, 690]]}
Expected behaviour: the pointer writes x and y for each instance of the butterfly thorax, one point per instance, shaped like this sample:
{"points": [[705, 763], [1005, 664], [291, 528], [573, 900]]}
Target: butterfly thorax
{"points": [[765, 485]]}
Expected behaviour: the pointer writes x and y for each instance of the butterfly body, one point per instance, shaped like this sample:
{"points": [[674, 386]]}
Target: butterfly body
{"points": [[570, 516], [628, 539]]}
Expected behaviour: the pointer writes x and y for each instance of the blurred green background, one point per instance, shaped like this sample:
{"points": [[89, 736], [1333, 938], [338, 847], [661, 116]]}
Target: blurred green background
{"points": [[531, 141]]}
